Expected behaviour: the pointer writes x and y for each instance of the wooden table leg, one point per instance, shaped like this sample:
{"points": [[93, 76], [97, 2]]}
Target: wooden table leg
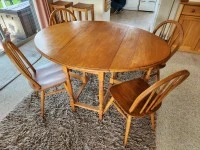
{"points": [[84, 78], [69, 87], [148, 74], [112, 77], [101, 94]]}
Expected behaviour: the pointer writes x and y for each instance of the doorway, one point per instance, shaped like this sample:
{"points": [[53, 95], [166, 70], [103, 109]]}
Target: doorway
{"points": [[138, 13], [146, 14]]}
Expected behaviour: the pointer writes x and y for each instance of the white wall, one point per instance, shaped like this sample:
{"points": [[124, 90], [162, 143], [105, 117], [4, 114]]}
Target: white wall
{"points": [[164, 8], [100, 15]]}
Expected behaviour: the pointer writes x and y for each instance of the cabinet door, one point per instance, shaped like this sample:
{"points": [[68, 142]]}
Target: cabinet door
{"points": [[197, 48], [191, 27]]}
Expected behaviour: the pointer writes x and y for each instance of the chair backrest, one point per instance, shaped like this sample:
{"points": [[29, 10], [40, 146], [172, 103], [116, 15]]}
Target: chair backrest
{"points": [[154, 95], [172, 32], [20, 61], [60, 16], [81, 8], [54, 7], [60, 4]]}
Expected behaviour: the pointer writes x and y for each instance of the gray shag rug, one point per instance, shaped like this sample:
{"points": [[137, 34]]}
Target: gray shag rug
{"points": [[8, 70], [63, 129]]}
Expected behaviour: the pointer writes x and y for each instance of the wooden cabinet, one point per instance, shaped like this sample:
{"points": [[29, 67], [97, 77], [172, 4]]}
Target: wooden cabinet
{"points": [[190, 21]]}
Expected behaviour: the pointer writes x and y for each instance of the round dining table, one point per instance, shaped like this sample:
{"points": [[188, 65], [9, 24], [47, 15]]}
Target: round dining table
{"points": [[99, 47]]}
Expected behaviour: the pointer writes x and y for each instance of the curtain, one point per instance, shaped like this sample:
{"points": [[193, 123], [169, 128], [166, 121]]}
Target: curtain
{"points": [[34, 15], [43, 12]]}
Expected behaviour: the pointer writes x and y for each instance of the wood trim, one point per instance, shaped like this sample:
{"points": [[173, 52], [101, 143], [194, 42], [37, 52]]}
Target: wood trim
{"points": [[190, 51], [191, 3], [107, 5], [184, 1], [179, 11]]}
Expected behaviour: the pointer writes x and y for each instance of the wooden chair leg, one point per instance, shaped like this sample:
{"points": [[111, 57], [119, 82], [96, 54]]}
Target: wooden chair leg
{"points": [[42, 103], [65, 85], [158, 75], [148, 74], [128, 125], [84, 77], [69, 87], [108, 104], [153, 120]]}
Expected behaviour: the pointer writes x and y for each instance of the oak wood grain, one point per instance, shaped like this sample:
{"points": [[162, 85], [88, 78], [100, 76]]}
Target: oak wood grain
{"points": [[101, 46], [136, 98]]}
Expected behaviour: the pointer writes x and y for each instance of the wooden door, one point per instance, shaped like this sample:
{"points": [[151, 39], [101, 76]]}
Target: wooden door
{"points": [[191, 27]]}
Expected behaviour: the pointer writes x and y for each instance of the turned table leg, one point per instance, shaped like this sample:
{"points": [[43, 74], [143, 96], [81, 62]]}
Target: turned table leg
{"points": [[148, 74], [101, 94]]}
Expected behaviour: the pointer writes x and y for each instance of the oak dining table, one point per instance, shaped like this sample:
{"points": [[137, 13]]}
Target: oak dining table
{"points": [[99, 47]]}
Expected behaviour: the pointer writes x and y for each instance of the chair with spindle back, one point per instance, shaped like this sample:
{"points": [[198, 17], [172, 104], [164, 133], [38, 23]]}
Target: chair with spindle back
{"points": [[172, 32], [60, 4], [135, 98], [40, 79], [83, 8], [61, 15]]}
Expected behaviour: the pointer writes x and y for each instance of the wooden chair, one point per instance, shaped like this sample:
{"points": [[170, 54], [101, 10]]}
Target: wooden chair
{"points": [[136, 98], [40, 79], [172, 32], [61, 15], [85, 8], [60, 4]]}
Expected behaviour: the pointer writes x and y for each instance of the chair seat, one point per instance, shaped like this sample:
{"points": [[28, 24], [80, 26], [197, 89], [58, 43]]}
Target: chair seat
{"points": [[49, 75], [126, 93], [83, 6]]}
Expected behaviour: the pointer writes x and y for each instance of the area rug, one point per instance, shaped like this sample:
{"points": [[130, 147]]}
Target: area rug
{"points": [[63, 129], [7, 68]]}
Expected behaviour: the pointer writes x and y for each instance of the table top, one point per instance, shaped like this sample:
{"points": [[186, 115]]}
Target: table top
{"points": [[101, 46]]}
